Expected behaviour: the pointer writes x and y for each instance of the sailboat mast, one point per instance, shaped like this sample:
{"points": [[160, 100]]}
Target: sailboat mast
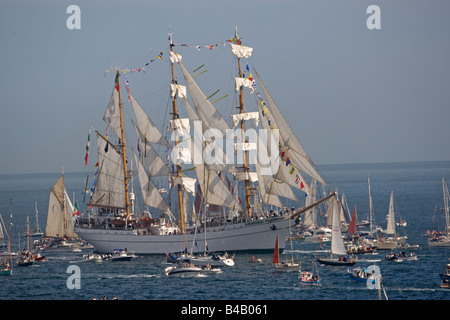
{"points": [[123, 145], [175, 116], [241, 110], [64, 206], [446, 207]]}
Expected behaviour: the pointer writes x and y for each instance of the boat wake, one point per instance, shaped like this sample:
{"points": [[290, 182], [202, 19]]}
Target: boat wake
{"points": [[369, 260], [306, 251], [131, 276]]}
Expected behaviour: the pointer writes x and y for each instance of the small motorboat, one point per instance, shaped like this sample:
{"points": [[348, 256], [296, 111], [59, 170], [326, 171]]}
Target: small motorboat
{"points": [[355, 249], [308, 277], [361, 274], [211, 269], [122, 255], [445, 277], [39, 258], [184, 270], [255, 260], [93, 257], [214, 259], [398, 257]]}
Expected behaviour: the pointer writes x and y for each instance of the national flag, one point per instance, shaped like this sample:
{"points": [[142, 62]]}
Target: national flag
{"points": [[88, 143], [127, 85], [76, 211], [292, 171], [107, 143], [288, 161]]}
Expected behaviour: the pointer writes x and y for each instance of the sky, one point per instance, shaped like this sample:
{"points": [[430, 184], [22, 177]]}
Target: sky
{"points": [[350, 93]]}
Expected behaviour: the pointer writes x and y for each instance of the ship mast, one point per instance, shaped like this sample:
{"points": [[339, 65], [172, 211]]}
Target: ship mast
{"points": [[241, 110], [176, 116], [123, 145]]}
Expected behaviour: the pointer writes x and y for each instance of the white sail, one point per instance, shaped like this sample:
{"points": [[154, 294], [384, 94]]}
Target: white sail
{"points": [[337, 243], [310, 215], [446, 207], [110, 186], [112, 112], [213, 187], [69, 222], [271, 189], [55, 216], [156, 166], [150, 193], [205, 109], [60, 209], [286, 172], [390, 229], [292, 146], [145, 125]]}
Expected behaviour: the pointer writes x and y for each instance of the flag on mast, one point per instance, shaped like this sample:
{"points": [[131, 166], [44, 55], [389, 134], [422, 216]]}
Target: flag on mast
{"points": [[88, 143]]}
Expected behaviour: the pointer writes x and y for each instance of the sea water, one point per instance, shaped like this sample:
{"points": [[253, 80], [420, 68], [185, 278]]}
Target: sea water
{"points": [[418, 193]]}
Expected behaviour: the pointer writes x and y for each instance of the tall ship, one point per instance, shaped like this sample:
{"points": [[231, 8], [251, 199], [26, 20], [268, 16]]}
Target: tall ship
{"points": [[226, 196]]}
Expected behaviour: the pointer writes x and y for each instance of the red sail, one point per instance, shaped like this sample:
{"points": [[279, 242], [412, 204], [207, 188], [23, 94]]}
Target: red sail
{"points": [[352, 227], [275, 252]]}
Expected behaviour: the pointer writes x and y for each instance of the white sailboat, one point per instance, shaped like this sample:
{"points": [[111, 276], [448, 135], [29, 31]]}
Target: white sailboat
{"points": [[442, 239], [60, 221], [237, 226], [337, 242], [37, 231], [6, 267], [392, 240]]}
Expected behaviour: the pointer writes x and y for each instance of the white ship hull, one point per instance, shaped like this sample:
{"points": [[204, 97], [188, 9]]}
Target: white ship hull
{"points": [[248, 236]]}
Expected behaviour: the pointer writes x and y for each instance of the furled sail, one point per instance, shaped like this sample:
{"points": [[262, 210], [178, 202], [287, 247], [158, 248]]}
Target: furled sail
{"points": [[241, 51]]}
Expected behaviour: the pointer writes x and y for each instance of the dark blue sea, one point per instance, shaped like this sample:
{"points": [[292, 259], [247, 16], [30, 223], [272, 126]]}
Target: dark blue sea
{"points": [[417, 188]]}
